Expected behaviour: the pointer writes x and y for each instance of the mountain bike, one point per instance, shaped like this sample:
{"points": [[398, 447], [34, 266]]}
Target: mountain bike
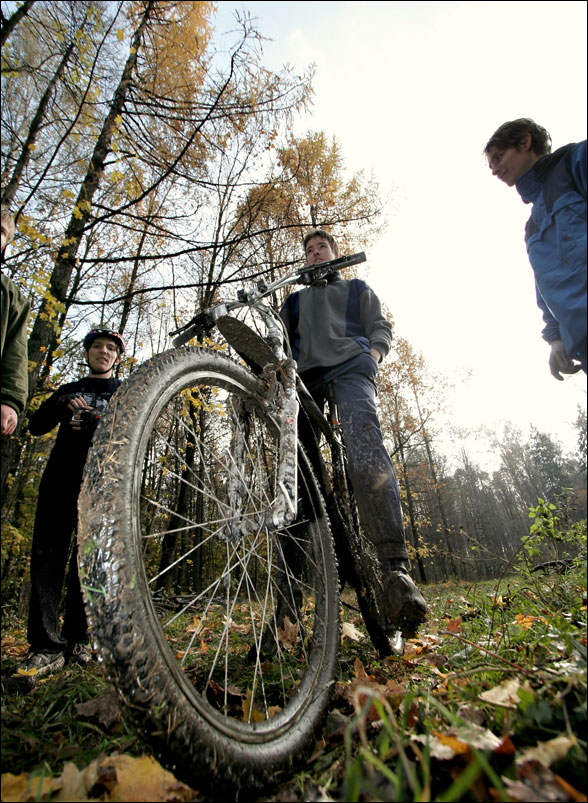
{"points": [[213, 544]]}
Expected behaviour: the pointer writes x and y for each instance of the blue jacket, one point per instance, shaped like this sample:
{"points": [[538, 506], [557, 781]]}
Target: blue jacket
{"points": [[555, 235]]}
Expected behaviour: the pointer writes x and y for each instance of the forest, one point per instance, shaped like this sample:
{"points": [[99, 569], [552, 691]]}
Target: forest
{"points": [[147, 169], [151, 166]]}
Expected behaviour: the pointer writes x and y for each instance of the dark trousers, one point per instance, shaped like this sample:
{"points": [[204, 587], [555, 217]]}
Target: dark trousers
{"points": [[370, 468], [55, 524]]}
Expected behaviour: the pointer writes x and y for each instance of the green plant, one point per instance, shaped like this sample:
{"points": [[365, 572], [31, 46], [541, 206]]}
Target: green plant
{"points": [[553, 534]]}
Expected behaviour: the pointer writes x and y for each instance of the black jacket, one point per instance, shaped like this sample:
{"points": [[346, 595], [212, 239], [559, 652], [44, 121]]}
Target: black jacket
{"points": [[68, 456]]}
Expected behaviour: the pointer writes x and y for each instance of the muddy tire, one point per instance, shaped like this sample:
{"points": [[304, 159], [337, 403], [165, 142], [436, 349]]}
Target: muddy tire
{"points": [[220, 632]]}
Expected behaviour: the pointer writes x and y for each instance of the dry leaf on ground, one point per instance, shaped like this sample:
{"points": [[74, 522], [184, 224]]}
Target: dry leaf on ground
{"points": [[350, 631], [547, 753], [506, 695], [120, 778]]}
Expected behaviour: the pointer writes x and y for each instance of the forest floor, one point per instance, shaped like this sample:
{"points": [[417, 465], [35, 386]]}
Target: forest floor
{"points": [[488, 703]]}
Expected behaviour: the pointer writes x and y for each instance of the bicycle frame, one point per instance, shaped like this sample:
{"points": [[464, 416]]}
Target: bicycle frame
{"points": [[214, 541], [272, 354]]}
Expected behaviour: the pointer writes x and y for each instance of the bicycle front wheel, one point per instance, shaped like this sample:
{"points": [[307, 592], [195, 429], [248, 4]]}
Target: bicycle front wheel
{"points": [[220, 631]]}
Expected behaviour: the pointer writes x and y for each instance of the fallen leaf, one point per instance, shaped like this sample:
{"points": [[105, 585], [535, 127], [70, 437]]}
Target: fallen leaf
{"points": [[478, 737], [104, 708], [435, 660], [506, 695], [350, 631], [144, 778], [437, 749], [23, 788], [458, 747], [455, 741], [571, 791], [289, 634], [243, 629], [250, 713], [547, 753], [362, 694], [360, 673], [538, 783], [506, 747], [72, 785]]}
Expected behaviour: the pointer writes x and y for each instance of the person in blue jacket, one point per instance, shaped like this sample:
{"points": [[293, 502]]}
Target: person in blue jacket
{"points": [[519, 153], [338, 336], [76, 408]]}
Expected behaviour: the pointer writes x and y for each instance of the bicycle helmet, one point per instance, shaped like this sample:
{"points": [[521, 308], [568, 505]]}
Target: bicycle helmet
{"points": [[94, 333]]}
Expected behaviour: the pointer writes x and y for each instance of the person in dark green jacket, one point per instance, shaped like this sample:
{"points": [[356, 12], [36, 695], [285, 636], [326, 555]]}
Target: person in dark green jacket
{"points": [[13, 342]]}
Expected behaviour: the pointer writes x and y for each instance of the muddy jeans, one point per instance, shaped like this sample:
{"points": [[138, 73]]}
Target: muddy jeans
{"points": [[370, 467]]}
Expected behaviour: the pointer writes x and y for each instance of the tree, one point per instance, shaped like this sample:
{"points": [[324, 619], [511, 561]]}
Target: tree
{"points": [[306, 187], [13, 20], [170, 117], [43, 329], [581, 429]]}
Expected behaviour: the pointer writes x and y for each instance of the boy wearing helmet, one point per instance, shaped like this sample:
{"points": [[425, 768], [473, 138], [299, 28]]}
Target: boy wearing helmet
{"points": [[76, 408]]}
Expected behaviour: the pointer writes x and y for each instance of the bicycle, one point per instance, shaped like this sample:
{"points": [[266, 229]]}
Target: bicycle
{"points": [[213, 545]]}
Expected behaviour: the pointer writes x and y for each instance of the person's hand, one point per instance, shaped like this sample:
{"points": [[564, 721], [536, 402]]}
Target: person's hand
{"points": [[376, 355], [87, 420], [71, 402], [559, 363], [75, 405], [9, 419]]}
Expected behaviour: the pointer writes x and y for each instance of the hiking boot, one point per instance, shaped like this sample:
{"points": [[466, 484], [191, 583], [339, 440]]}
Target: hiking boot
{"points": [[40, 663], [403, 604], [80, 654]]}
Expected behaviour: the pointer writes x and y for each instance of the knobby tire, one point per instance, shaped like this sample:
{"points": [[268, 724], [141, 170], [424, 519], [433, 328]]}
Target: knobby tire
{"points": [[220, 632]]}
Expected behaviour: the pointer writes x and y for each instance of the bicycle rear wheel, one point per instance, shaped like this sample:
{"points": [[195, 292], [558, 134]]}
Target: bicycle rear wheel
{"points": [[220, 632]]}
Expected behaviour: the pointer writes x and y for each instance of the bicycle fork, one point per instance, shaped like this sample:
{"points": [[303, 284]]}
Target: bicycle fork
{"points": [[285, 505], [282, 508]]}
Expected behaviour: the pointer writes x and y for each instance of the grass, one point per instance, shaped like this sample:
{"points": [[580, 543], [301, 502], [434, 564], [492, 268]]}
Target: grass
{"points": [[498, 669], [450, 736]]}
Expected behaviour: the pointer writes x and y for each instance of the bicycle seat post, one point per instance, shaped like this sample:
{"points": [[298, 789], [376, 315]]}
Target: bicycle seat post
{"points": [[332, 411]]}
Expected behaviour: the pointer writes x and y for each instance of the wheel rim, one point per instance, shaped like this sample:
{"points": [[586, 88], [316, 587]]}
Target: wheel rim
{"points": [[239, 611]]}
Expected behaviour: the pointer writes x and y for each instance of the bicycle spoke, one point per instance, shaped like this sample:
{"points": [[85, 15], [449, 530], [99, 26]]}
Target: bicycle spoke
{"points": [[231, 610]]}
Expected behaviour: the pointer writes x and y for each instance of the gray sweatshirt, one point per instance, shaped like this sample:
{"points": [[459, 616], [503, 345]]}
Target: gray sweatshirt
{"points": [[331, 324]]}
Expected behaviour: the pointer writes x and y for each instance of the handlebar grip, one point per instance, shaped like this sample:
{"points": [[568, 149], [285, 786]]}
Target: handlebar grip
{"points": [[200, 326], [194, 331], [312, 273]]}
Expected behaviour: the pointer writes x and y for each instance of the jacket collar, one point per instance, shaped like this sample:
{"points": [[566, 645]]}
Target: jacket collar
{"points": [[531, 183]]}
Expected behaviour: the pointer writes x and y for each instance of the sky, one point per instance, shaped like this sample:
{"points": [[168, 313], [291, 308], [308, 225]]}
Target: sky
{"points": [[413, 91]]}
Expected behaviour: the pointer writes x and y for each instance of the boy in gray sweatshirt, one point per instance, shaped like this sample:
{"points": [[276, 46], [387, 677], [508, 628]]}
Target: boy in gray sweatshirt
{"points": [[338, 336]]}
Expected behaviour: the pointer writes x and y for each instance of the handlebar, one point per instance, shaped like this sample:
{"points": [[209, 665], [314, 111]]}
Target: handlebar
{"points": [[314, 273], [202, 324]]}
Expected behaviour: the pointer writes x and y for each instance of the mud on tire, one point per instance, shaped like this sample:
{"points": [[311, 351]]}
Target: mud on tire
{"points": [[220, 632]]}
